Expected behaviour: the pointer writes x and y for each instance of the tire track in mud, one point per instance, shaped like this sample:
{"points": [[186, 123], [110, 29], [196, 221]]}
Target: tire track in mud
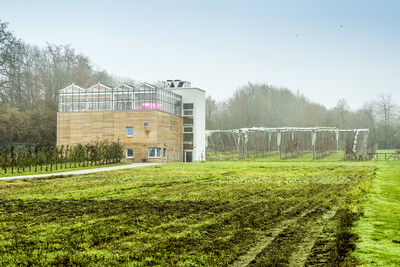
{"points": [[265, 240], [227, 209], [299, 258], [273, 207], [280, 227], [276, 213]]}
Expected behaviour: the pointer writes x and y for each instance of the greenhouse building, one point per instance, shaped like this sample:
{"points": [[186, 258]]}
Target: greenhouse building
{"points": [[163, 123]]}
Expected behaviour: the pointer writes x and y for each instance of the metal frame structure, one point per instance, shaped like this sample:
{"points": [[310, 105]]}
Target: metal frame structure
{"points": [[292, 139]]}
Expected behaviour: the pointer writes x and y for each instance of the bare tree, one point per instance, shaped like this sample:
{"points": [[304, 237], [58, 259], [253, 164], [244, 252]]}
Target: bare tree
{"points": [[30, 78], [7, 41], [366, 118], [342, 109], [386, 108], [211, 111]]}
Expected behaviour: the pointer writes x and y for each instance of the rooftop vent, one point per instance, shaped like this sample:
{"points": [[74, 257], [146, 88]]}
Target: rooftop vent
{"points": [[176, 84]]}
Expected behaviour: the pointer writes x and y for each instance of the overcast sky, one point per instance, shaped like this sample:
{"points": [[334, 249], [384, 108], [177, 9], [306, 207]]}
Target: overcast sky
{"points": [[325, 49]]}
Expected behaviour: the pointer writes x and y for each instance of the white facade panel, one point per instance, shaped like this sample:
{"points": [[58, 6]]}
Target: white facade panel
{"points": [[197, 97]]}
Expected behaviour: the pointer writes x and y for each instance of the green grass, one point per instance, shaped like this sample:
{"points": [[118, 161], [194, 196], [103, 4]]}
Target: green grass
{"points": [[198, 214], [59, 169], [379, 229]]}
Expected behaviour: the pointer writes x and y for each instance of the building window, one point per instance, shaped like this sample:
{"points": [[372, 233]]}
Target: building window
{"points": [[129, 131], [145, 124], [188, 129], [154, 152], [188, 105], [187, 137], [165, 153], [188, 146], [187, 121], [188, 114], [129, 153]]}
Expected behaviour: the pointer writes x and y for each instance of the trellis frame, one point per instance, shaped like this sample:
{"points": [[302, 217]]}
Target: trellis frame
{"points": [[241, 136]]}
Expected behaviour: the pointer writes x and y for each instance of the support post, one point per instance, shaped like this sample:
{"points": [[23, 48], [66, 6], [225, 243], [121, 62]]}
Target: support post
{"points": [[269, 141], [313, 152], [278, 141], [337, 140], [313, 139]]}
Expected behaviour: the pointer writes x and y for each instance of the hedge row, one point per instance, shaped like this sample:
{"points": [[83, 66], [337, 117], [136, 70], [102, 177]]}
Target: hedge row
{"points": [[54, 157]]}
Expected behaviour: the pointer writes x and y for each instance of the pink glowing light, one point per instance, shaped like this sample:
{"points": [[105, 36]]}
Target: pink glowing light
{"points": [[151, 105]]}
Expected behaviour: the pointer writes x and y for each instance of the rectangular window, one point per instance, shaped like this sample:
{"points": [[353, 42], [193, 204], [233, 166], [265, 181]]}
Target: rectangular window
{"points": [[188, 146], [129, 131], [145, 124], [129, 153], [187, 105], [154, 152], [188, 112], [187, 137], [188, 129], [187, 121], [165, 153]]}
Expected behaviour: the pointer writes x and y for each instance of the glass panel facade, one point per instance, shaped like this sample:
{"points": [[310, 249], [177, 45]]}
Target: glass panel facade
{"points": [[102, 98]]}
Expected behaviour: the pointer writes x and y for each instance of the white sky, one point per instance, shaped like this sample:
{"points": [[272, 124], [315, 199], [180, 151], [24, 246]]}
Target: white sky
{"points": [[327, 49]]}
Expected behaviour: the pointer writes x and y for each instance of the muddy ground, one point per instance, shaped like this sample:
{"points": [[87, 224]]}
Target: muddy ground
{"points": [[298, 222]]}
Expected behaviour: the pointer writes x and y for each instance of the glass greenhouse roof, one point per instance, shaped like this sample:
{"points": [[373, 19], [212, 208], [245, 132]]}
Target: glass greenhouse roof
{"points": [[121, 98]]}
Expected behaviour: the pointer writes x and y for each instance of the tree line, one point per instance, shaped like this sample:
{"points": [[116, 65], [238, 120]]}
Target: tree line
{"points": [[263, 105], [30, 78], [48, 158]]}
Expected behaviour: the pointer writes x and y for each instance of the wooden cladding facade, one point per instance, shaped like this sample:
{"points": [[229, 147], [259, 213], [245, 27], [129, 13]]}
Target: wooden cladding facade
{"points": [[164, 131]]}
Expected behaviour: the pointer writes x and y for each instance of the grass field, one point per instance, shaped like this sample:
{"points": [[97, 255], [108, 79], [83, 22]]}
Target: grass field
{"points": [[379, 228], [200, 214]]}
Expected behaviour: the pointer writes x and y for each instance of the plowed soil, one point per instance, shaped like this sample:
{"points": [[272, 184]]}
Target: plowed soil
{"points": [[214, 214]]}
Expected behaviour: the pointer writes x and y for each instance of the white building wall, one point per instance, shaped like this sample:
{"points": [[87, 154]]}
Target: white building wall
{"points": [[197, 97]]}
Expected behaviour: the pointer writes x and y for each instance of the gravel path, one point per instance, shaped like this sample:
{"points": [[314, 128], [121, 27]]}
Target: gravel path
{"points": [[103, 169]]}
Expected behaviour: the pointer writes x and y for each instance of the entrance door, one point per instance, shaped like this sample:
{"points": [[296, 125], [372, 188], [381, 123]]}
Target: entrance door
{"points": [[188, 155]]}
